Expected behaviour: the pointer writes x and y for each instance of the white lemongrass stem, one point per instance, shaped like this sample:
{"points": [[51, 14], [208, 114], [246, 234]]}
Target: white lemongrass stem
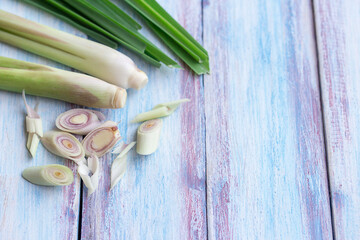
{"points": [[64, 144], [148, 136], [160, 110], [34, 129], [118, 167], [44, 81], [87, 56], [92, 167], [102, 139], [49, 175], [79, 121]]}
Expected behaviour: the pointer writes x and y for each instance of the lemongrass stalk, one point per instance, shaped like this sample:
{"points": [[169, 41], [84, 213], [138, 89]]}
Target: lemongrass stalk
{"points": [[79, 121], [148, 136], [118, 167], [87, 56], [63, 144], [160, 110], [92, 167], [49, 175], [102, 139], [41, 80], [34, 129]]}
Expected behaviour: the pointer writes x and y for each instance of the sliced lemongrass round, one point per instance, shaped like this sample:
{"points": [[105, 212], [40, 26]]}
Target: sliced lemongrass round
{"points": [[49, 175], [148, 136], [79, 121], [64, 145], [102, 139], [118, 167]]}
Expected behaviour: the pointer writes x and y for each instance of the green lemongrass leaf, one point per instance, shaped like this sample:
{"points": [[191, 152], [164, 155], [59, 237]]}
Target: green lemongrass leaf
{"points": [[108, 23], [55, 83], [103, 17], [198, 68], [150, 10], [148, 136], [173, 22], [85, 55], [49, 175], [50, 9], [112, 11], [115, 13]]}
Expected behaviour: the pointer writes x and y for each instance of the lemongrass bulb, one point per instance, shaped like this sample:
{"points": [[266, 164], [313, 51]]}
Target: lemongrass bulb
{"points": [[148, 136], [79, 121], [49, 175], [64, 145], [118, 167], [102, 139]]}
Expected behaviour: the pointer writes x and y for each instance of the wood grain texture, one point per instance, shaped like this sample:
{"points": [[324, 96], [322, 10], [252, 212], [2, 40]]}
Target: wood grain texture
{"points": [[162, 196], [28, 211], [338, 38], [266, 169]]}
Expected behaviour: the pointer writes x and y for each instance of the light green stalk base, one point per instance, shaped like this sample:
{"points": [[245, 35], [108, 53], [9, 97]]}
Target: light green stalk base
{"points": [[40, 80]]}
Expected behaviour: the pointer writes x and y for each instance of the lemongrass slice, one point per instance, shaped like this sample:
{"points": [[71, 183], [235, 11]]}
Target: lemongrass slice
{"points": [[92, 167], [160, 110], [33, 127], [102, 139], [118, 148], [64, 145], [148, 136], [79, 121], [118, 167], [49, 175]]}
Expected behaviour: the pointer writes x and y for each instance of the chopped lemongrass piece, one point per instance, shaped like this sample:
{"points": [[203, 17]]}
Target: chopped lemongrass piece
{"points": [[160, 110], [118, 167], [85, 55], [102, 139], [49, 175], [92, 167], [32, 143], [33, 127], [64, 145], [41, 80], [79, 121], [148, 136], [118, 148]]}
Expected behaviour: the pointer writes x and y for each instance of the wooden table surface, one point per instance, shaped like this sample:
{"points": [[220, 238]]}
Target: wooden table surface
{"points": [[268, 147]]}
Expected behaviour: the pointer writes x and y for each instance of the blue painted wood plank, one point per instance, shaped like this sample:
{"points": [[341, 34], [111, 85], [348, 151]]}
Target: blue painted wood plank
{"points": [[162, 196], [266, 169], [28, 211], [338, 38]]}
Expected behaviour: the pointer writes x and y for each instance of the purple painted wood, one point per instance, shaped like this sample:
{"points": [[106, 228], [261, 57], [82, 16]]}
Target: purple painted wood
{"points": [[162, 196], [338, 38], [266, 169]]}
